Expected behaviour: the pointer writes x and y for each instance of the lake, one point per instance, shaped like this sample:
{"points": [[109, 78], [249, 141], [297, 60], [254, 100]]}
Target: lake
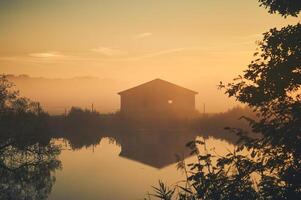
{"points": [[124, 169], [103, 158]]}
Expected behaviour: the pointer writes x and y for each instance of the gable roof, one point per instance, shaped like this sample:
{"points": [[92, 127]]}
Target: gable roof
{"points": [[155, 82]]}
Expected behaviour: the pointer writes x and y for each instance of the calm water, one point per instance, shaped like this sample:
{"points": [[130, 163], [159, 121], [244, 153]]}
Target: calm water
{"points": [[123, 170]]}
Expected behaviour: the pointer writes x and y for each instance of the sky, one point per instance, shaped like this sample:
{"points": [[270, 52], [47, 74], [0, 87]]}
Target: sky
{"points": [[189, 42]]}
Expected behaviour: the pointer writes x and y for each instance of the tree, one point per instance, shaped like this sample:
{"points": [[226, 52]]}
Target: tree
{"points": [[284, 7], [28, 158], [271, 86]]}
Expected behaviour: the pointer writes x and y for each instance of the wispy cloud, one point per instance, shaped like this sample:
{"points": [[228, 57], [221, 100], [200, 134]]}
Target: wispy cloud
{"points": [[52, 54], [116, 55], [143, 35], [108, 51]]}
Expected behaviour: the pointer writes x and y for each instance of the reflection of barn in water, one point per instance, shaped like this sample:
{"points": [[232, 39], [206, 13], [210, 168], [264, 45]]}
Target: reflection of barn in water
{"points": [[158, 99], [155, 148]]}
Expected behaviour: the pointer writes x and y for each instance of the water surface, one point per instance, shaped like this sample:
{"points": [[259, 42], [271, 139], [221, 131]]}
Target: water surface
{"points": [[113, 171]]}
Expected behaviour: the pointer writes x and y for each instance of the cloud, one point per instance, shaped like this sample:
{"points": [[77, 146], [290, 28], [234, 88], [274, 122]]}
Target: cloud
{"points": [[143, 35], [108, 51], [52, 54], [116, 55]]}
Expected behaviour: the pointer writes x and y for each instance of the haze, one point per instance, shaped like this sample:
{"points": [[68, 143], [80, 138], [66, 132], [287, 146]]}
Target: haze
{"points": [[193, 43]]}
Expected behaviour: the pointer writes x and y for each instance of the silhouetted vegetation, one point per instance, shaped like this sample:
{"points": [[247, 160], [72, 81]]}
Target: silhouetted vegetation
{"points": [[266, 167], [214, 125], [84, 128], [137, 137], [284, 7], [28, 158]]}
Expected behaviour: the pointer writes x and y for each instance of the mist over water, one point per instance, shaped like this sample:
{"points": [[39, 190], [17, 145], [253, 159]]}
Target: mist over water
{"points": [[59, 94], [169, 100]]}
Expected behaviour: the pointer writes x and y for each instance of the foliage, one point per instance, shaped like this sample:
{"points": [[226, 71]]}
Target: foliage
{"points": [[284, 7], [212, 177], [27, 155], [271, 85], [28, 173], [163, 192], [20, 118], [268, 167], [273, 79]]}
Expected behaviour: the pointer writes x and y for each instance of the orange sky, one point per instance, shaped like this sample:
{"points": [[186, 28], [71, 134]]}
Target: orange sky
{"points": [[193, 42]]}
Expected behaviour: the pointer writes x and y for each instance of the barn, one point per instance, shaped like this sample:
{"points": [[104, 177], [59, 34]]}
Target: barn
{"points": [[158, 99]]}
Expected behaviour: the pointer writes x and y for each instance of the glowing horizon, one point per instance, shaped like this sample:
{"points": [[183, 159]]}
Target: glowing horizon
{"points": [[193, 43]]}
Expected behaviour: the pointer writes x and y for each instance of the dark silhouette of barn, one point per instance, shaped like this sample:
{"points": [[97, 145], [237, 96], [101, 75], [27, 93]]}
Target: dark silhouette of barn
{"points": [[158, 99]]}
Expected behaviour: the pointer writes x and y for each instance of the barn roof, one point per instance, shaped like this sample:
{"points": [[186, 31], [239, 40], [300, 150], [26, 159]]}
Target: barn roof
{"points": [[156, 82]]}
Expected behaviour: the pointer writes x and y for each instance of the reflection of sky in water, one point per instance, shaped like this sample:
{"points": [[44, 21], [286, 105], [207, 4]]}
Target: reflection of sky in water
{"points": [[100, 173]]}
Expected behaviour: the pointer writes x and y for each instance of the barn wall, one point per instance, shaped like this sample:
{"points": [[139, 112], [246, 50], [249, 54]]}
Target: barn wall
{"points": [[158, 102]]}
